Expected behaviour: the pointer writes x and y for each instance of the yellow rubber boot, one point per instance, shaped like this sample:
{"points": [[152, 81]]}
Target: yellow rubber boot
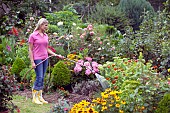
{"points": [[41, 98], [35, 97]]}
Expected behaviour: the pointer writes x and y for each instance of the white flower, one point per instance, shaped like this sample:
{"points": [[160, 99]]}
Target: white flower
{"points": [[74, 24], [70, 36], [31, 18], [67, 38], [60, 23], [99, 49], [55, 34]]}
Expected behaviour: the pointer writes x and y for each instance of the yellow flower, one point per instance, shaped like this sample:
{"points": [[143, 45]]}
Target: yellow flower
{"points": [[112, 101], [110, 105], [108, 90], [103, 103], [112, 93], [120, 111], [117, 105], [123, 102], [105, 96], [169, 70], [104, 108], [91, 110], [169, 79]]}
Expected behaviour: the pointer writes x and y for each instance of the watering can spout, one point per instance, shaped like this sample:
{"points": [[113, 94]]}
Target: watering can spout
{"points": [[102, 81]]}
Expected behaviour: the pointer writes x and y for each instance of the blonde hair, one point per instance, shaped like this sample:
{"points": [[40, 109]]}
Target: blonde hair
{"points": [[40, 22]]}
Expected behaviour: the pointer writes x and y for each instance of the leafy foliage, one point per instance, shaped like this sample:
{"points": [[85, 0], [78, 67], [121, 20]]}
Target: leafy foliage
{"points": [[164, 104], [18, 66], [139, 82], [134, 10], [61, 74], [7, 86], [63, 106], [88, 87], [106, 13], [66, 18]]}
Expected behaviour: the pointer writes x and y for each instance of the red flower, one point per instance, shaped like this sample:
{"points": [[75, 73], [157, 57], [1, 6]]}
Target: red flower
{"points": [[14, 31], [22, 42], [107, 78], [113, 81], [155, 67], [116, 77], [18, 110], [108, 66], [52, 49]]}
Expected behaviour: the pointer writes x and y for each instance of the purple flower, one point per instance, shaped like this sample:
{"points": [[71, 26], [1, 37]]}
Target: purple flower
{"points": [[77, 68], [8, 48]]}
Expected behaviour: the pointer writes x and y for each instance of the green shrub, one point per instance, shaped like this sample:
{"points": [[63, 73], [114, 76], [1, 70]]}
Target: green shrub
{"points": [[139, 83], [17, 66], [164, 104], [29, 75], [61, 74], [53, 28], [134, 10], [22, 52], [67, 17], [109, 15]]}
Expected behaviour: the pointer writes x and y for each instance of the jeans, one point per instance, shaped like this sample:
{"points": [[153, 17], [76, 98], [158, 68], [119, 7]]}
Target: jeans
{"points": [[40, 71]]}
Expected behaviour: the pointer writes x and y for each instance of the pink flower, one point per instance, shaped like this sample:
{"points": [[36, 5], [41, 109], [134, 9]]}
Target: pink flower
{"points": [[85, 29], [94, 64], [65, 109], [80, 62], [90, 27], [86, 64], [8, 48], [88, 72], [88, 59], [100, 42], [82, 36], [81, 49], [28, 30], [96, 70], [168, 82], [77, 68], [98, 38], [91, 33], [113, 48]]}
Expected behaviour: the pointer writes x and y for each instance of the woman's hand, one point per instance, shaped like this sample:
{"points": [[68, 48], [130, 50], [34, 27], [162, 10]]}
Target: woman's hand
{"points": [[33, 65], [59, 56]]}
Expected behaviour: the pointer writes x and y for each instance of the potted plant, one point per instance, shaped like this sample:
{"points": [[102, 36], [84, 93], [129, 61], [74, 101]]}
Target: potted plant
{"points": [[7, 86]]}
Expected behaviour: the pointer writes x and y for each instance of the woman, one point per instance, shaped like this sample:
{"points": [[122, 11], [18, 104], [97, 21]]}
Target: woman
{"points": [[38, 51]]}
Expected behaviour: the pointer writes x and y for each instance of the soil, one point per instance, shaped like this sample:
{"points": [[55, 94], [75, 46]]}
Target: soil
{"points": [[53, 97]]}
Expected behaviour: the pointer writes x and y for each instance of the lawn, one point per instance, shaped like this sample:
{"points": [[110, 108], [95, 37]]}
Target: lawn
{"points": [[26, 106]]}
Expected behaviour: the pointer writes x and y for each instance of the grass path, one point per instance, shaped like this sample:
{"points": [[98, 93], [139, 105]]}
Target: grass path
{"points": [[26, 106]]}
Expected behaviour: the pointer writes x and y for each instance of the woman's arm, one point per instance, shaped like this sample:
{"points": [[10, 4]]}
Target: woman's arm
{"points": [[52, 53], [31, 55]]}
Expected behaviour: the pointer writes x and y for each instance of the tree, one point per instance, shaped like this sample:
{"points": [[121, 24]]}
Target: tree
{"points": [[134, 10]]}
